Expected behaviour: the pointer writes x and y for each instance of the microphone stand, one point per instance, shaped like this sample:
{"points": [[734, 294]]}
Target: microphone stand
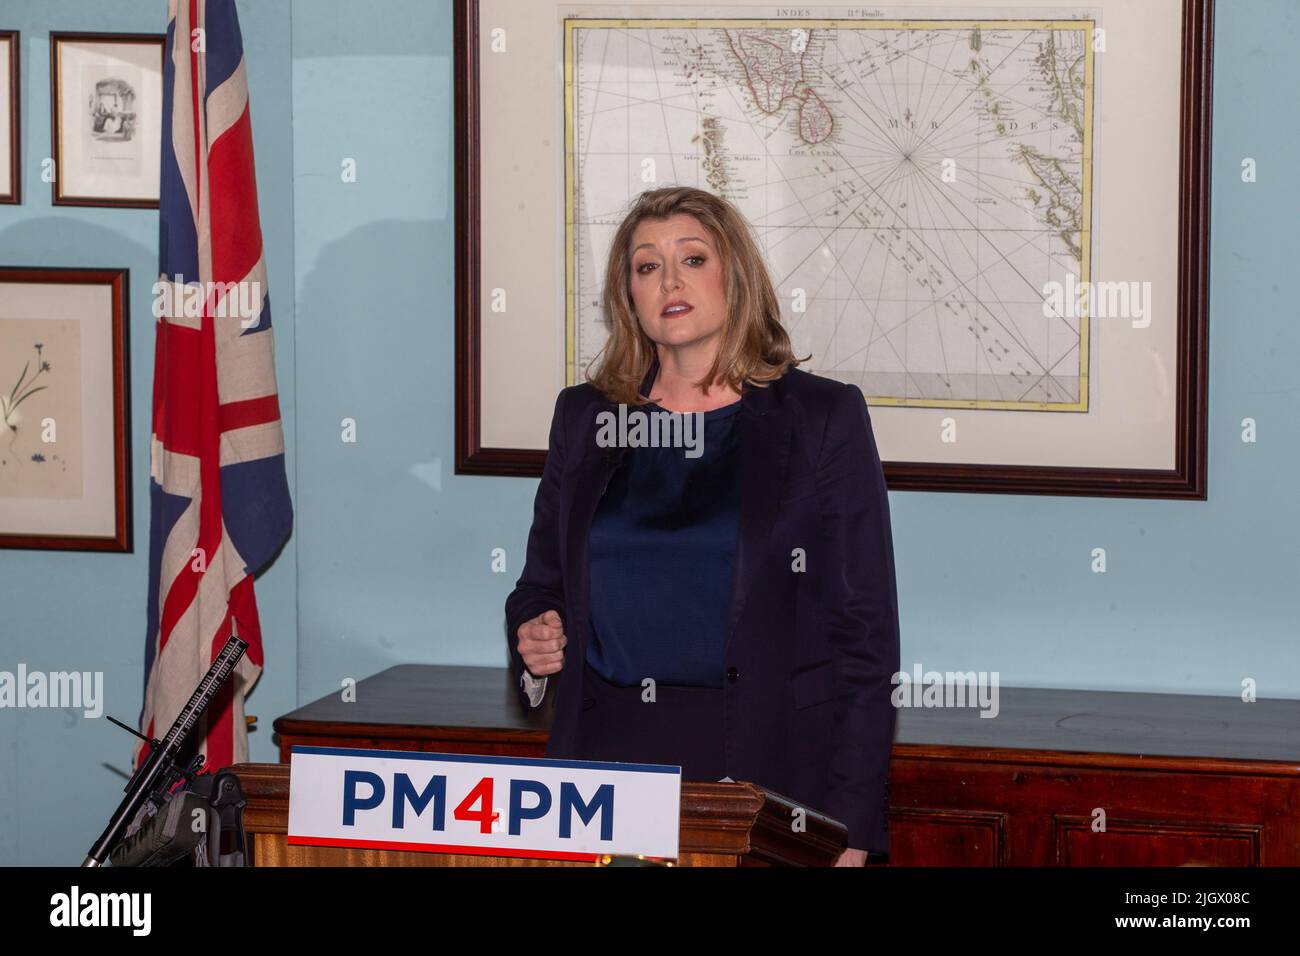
{"points": [[163, 768]]}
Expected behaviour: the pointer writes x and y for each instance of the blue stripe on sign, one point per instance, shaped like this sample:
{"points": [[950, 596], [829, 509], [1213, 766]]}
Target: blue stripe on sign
{"points": [[479, 758]]}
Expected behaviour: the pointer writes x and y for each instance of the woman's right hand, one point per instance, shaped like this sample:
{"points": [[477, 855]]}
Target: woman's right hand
{"points": [[541, 643]]}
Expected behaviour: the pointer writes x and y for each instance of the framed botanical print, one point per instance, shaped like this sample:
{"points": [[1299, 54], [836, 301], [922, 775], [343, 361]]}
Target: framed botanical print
{"points": [[10, 125], [992, 218], [65, 477], [106, 118]]}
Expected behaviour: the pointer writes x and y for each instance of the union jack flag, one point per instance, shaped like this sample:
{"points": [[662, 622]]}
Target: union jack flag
{"points": [[220, 507]]}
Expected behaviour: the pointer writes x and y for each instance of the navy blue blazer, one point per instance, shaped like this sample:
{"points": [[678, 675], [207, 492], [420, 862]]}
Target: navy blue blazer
{"points": [[812, 635]]}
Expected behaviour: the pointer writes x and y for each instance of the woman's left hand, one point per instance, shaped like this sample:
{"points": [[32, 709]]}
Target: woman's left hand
{"points": [[852, 857]]}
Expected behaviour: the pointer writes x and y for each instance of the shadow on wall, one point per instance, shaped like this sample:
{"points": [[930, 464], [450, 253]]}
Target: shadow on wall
{"points": [[380, 546], [68, 241]]}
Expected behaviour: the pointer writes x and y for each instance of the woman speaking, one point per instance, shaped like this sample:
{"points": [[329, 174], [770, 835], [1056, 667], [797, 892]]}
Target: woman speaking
{"points": [[729, 607]]}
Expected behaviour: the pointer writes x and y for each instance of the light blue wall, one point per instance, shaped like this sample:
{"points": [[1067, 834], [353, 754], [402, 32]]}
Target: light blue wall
{"points": [[390, 561], [393, 548]]}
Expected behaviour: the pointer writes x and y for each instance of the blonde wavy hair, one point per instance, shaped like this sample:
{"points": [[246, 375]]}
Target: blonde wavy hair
{"points": [[754, 348]]}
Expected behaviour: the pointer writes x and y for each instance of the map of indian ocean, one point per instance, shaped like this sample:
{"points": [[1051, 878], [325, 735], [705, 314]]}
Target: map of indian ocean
{"points": [[914, 186]]}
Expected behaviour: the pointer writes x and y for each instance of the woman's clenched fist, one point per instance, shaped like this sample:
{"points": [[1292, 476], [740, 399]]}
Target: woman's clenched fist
{"points": [[541, 643]]}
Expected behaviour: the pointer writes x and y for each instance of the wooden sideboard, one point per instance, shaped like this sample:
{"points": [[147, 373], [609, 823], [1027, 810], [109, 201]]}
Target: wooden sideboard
{"points": [[1057, 778]]}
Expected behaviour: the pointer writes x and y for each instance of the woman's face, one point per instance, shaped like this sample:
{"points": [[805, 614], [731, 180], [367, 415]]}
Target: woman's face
{"points": [[675, 263]]}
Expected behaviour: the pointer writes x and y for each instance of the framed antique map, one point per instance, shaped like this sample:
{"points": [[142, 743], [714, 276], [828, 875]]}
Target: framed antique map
{"points": [[65, 456], [991, 218]]}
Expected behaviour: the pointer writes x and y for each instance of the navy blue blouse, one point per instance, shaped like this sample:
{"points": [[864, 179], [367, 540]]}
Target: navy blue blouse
{"points": [[663, 552]]}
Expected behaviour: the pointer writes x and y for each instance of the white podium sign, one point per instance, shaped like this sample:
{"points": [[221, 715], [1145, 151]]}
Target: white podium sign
{"points": [[495, 806]]}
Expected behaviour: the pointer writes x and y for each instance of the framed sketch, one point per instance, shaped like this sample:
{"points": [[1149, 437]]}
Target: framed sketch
{"points": [[990, 217], [65, 476], [10, 125], [106, 118]]}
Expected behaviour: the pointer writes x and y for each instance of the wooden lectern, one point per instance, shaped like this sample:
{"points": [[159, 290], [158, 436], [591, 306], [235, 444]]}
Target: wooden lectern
{"points": [[723, 824]]}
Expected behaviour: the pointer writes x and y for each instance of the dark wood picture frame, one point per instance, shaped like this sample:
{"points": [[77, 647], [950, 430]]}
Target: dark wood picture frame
{"points": [[57, 198], [11, 194], [118, 282], [1186, 480]]}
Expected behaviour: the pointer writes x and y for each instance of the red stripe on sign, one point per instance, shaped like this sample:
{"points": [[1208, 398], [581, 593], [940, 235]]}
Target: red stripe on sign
{"points": [[442, 848]]}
